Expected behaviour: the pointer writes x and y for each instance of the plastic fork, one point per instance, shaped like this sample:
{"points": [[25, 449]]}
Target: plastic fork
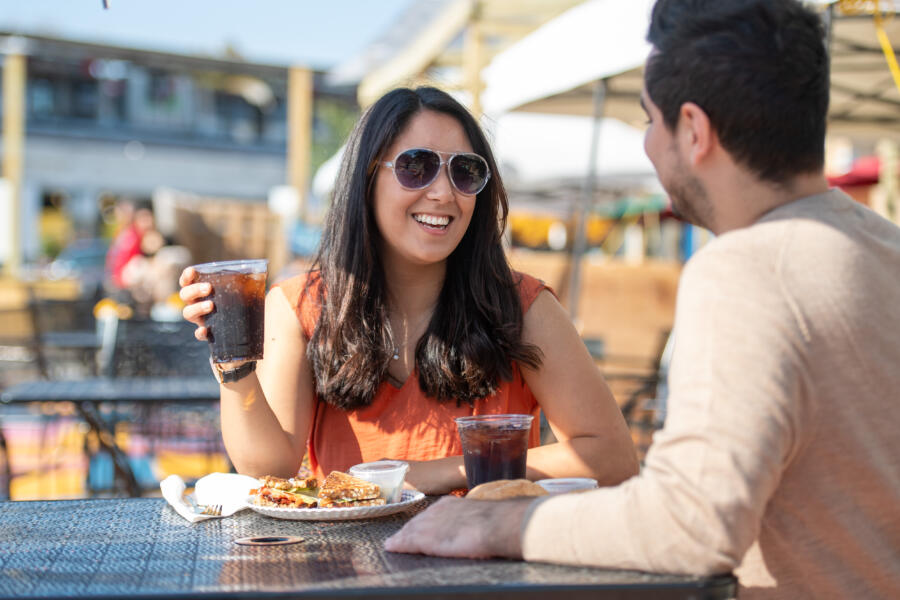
{"points": [[214, 510]]}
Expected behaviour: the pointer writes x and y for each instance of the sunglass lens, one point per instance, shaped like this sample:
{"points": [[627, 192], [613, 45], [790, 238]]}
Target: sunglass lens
{"points": [[417, 168], [469, 173]]}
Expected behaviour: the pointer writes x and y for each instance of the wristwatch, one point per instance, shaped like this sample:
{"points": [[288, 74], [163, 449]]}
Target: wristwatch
{"points": [[230, 375]]}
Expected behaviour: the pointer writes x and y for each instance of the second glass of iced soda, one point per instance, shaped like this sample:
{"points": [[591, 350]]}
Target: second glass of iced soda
{"points": [[494, 446]]}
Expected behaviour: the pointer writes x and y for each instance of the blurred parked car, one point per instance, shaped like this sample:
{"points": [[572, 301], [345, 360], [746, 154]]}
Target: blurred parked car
{"points": [[84, 260]]}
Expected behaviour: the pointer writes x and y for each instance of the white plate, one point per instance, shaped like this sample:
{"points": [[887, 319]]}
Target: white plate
{"points": [[407, 499]]}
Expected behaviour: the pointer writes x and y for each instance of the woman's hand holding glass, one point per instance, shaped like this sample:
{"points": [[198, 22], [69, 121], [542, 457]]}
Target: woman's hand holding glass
{"points": [[196, 307]]}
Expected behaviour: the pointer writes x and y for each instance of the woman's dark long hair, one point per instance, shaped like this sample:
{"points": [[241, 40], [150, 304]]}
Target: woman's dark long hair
{"points": [[475, 333]]}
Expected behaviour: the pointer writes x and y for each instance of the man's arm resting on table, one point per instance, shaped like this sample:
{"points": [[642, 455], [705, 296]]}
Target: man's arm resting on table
{"points": [[552, 529], [464, 528]]}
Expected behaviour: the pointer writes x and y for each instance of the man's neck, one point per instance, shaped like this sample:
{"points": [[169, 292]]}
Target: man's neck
{"points": [[745, 198]]}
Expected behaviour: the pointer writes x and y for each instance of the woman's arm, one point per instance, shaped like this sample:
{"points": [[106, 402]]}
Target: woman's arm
{"points": [[592, 437], [266, 416]]}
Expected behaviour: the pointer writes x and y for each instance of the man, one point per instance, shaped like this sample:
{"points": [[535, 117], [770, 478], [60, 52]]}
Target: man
{"points": [[780, 456]]}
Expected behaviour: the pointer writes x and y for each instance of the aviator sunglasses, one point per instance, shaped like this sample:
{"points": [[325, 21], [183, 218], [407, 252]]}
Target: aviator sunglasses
{"points": [[417, 168]]}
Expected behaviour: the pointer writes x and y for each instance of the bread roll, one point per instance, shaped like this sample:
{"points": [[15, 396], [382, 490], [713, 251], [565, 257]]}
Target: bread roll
{"points": [[505, 488]]}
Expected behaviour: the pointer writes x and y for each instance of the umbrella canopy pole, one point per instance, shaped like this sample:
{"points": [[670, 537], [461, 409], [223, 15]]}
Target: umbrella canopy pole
{"points": [[587, 193]]}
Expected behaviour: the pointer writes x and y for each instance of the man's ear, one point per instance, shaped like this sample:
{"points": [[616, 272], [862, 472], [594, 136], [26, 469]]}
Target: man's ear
{"points": [[696, 135]]}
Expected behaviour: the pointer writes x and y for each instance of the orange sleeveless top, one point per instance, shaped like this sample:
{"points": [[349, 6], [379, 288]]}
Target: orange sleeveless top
{"points": [[402, 423]]}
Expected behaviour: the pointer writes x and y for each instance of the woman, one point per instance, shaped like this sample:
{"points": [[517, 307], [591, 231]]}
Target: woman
{"points": [[410, 317]]}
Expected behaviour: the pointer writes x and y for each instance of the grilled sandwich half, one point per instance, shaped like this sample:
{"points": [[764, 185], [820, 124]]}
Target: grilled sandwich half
{"points": [[340, 490], [287, 493]]}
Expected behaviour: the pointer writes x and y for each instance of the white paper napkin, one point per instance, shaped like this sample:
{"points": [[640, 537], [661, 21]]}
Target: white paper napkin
{"points": [[228, 489]]}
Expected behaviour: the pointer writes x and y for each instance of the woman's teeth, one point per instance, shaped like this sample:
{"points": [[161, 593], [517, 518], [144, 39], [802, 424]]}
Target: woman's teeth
{"points": [[432, 220]]}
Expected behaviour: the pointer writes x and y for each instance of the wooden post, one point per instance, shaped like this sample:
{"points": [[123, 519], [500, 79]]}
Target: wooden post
{"points": [[300, 117], [14, 152], [473, 61]]}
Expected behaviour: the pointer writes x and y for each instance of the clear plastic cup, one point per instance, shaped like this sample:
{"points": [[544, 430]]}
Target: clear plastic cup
{"points": [[563, 485], [389, 475], [235, 327], [494, 446]]}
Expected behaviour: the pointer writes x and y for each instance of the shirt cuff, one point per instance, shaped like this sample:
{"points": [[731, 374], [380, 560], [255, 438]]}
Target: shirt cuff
{"points": [[584, 528]]}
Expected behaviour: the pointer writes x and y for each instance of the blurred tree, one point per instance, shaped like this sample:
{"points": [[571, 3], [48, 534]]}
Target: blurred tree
{"points": [[333, 119]]}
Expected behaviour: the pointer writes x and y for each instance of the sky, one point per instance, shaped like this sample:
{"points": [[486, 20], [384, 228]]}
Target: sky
{"points": [[314, 33]]}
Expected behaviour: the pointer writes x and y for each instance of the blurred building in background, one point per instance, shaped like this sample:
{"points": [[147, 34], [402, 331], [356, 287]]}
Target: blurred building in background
{"points": [[104, 122]]}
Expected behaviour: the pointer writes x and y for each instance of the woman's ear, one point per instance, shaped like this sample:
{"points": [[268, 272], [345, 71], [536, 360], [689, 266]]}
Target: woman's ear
{"points": [[695, 133]]}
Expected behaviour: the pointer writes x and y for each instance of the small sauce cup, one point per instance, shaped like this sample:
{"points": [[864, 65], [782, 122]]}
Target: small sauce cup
{"points": [[389, 475], [563, 485]]}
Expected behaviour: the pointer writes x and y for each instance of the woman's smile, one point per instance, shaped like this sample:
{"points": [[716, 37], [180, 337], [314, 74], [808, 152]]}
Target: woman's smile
{"points": [[433, 223]]}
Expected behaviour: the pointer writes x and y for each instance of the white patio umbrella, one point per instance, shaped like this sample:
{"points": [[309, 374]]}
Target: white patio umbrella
{"points": [[589, 61], [586, 61], [554, 69], [532, 148]]}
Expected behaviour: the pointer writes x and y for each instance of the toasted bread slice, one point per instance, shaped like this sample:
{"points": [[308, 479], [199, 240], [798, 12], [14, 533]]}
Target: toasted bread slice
{"points": [[340, 486], [293, 483], [326, 503]]}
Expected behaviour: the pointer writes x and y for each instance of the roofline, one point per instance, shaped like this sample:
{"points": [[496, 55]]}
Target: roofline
{"points": [[45, 45]]}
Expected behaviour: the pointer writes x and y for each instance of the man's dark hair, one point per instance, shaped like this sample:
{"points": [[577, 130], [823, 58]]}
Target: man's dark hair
{"points": [[758, 68], [475, 334]]}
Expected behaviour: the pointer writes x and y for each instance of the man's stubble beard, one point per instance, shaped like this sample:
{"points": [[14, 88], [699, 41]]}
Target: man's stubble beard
{"points": [[688, 196]]}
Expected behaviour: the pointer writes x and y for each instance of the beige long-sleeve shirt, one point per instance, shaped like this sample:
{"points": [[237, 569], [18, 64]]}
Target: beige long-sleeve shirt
{"points": [[780, 455]]}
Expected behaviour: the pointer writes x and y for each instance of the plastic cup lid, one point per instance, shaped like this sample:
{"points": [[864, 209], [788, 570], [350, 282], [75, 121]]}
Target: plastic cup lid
{"points": [[248, 265], [380, 466], [510, 420]]}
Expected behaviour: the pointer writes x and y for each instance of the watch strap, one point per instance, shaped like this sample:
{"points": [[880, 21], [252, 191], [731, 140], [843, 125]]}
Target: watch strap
{"points": [[232, 375]]}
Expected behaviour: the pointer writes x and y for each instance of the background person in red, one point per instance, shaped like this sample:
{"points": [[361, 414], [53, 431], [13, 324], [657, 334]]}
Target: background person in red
{"points": [[135, 221]]}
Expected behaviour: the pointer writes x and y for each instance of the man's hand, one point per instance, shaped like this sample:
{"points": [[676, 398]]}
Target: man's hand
{"points": [[462, 528]]}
